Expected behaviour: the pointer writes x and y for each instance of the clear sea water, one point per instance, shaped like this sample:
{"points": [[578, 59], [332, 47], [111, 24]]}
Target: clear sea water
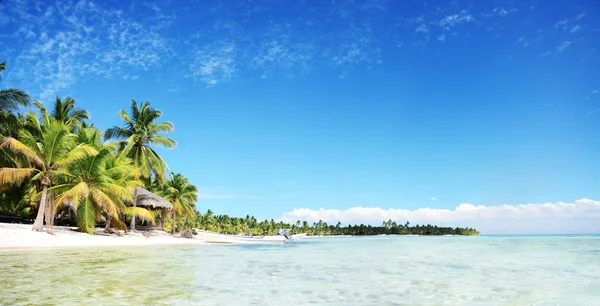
{"points": [[486, 270]]}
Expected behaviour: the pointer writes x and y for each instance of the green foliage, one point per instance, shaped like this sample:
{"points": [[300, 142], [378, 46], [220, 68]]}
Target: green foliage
{"points": [[139, 133], [99, 183], [12, 98], [250, 225], [182, 195]]}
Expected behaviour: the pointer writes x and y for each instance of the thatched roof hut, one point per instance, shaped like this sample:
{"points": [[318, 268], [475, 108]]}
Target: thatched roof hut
{"points": [[147, 199]]}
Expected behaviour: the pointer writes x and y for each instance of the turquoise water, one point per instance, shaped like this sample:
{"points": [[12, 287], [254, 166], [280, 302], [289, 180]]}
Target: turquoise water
{"points": [[492, 270]]}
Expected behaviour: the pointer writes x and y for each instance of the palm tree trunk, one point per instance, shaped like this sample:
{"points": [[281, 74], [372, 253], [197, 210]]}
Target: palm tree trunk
{"points": [[162, 219], [72, 214], [132, 225], [174, 223], [107, 223], [38, 225], [49, 212]]}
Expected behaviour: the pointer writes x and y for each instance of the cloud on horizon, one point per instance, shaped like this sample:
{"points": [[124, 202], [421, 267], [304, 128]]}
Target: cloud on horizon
{"points": [[578, 217]]}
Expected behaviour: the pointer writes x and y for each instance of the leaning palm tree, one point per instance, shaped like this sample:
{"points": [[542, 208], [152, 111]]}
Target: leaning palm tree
{"points": [[139, 133], [182, 195], [98, 185], [48, 154]]}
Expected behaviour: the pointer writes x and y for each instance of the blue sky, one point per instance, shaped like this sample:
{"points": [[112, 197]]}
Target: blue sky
{"points": [[283, 108]]}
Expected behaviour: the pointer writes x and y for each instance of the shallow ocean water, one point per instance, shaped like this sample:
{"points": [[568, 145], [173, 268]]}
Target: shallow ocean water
{"points": [[486, 270]]}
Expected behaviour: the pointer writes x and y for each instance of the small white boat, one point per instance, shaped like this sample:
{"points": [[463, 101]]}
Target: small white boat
{"points": [[212, 237]]}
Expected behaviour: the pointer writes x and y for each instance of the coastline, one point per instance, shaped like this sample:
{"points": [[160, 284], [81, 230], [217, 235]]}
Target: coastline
{"points": [[21, 237]]}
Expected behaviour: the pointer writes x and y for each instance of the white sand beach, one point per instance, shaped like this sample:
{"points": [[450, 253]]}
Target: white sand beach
{"points": [[20, 236]]}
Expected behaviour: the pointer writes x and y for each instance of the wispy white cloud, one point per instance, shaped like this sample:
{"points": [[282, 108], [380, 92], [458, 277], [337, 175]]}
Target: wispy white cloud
{"points": [[563, 46], [66, 40], [422, 29], [547, 217], [499, 11], [592, 93], [433, 198], [215, 63], [61, 41], [346, 40], [175, 89], [522, 42], [563, 24], [453, 20]]}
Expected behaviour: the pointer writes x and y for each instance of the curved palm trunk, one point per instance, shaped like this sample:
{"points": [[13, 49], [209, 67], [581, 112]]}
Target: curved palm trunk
{"points": [[38, 225]]}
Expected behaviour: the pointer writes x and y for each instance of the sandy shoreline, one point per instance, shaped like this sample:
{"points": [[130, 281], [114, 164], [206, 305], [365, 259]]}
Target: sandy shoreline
{"points": [[20, 236]]}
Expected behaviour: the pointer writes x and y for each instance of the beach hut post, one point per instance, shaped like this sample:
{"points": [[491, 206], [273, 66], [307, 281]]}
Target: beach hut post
{"points": [[132, 225]]}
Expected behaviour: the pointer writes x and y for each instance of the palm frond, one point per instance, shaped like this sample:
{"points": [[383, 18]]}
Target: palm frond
{"points": [[160, 127], [118, 224], [116, 132], [105, 202], [80, 152], [12, 98], [56, 141], [86, 216], [74, 195], [18, 147], [10, 176], [156, 163], [162, 141], [141, 213], [117, 191]]}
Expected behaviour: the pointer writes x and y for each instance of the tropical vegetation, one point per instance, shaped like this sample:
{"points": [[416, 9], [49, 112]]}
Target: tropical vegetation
{"points": [[250, 225], [56, 166]]}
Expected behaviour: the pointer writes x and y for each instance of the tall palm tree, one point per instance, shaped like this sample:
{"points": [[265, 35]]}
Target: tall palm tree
{"points": [[139, 133], [48, 154], [182, 195], [99, 184]]}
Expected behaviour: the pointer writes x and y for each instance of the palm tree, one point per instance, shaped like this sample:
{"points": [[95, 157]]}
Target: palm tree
{"points": [[64, 111], [138, 134], [48, 154], [182, 195], [12, 98], [99, 183]]}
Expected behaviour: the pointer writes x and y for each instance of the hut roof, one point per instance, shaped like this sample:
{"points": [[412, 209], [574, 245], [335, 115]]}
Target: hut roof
{"points": [[145, 198]]}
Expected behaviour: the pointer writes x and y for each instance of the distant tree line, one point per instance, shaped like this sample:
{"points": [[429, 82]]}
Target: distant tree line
{"points": [[250, 225]]}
